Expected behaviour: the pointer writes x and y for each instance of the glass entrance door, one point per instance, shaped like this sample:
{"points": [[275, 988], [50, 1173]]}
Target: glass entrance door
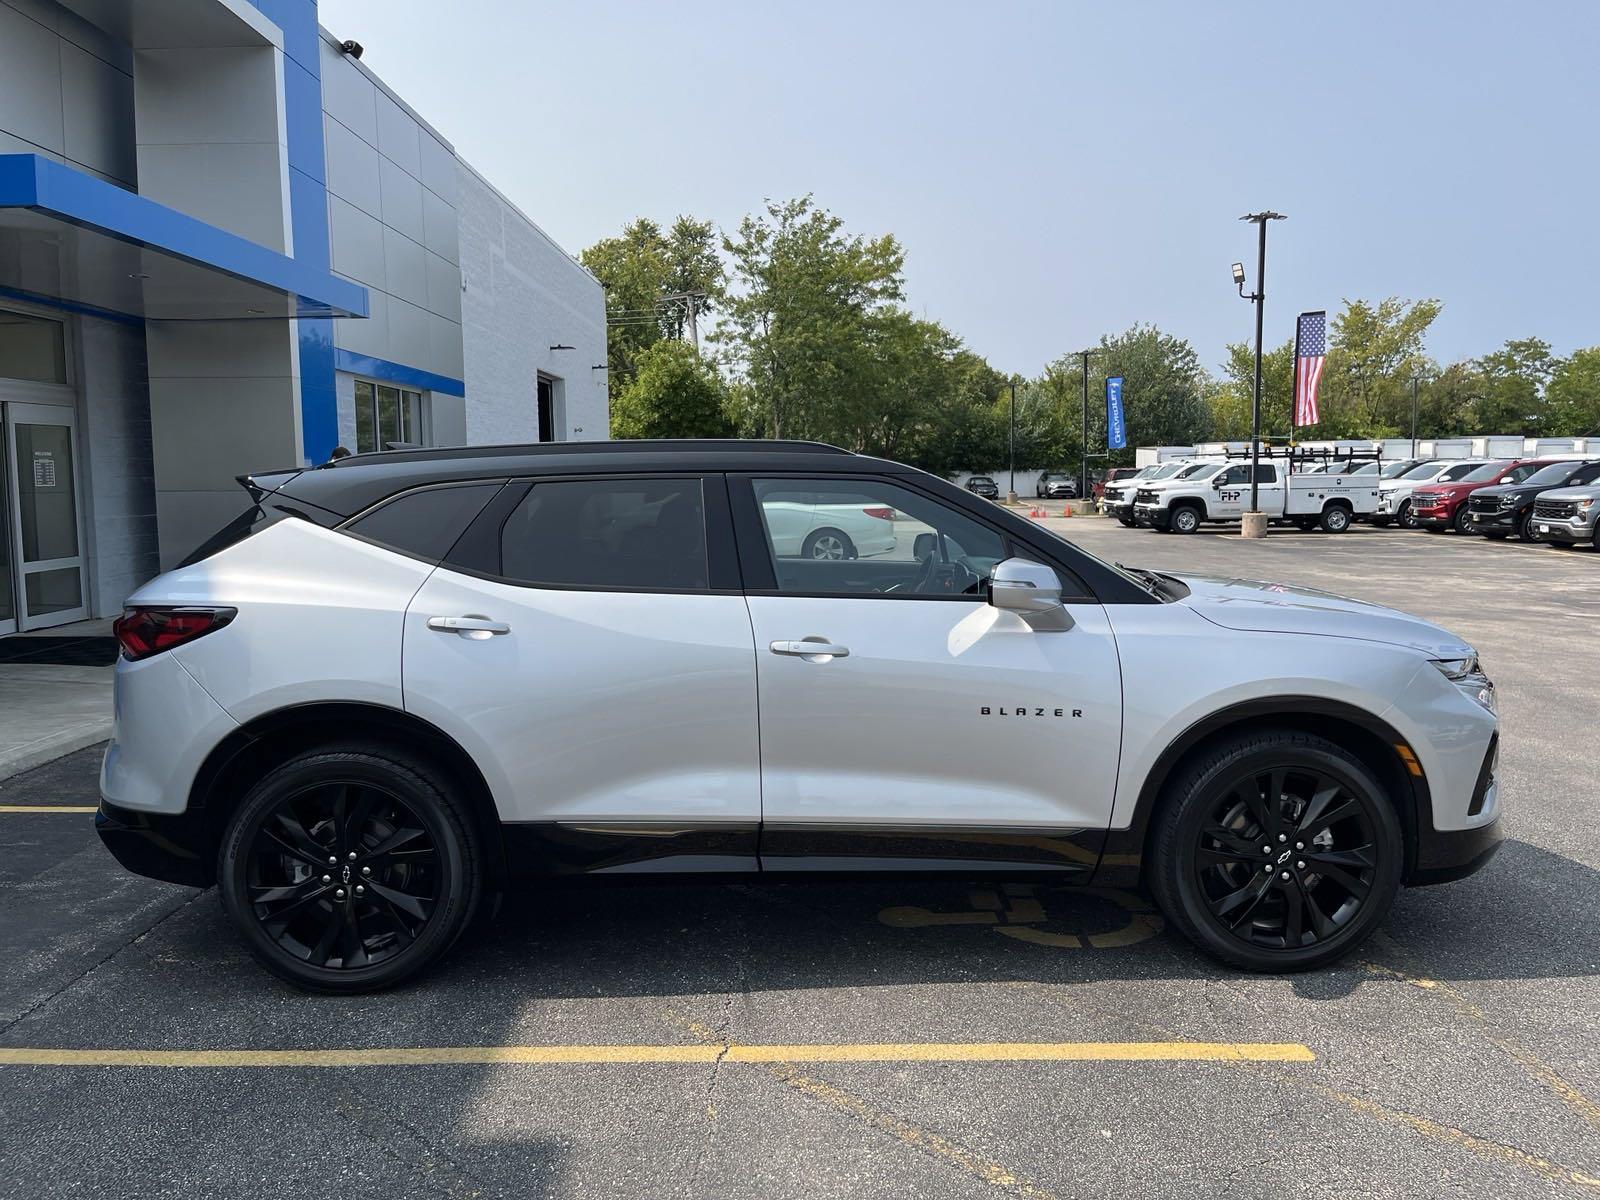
{"points": [[45, 555], [8, 575]]}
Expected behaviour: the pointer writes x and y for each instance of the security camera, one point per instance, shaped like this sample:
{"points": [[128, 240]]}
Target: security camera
{"points": [[353, 49]]}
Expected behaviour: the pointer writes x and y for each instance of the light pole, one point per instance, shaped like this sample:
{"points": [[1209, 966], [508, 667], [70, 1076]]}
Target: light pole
{"points": [[1258, 297], [1011, 495]]}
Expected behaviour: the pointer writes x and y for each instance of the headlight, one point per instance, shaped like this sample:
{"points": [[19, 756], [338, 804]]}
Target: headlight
{"points": [[1585, 505], [1467, 674]]}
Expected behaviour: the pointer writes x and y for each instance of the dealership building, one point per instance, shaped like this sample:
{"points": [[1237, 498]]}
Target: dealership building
{"points": [[226, 246]]}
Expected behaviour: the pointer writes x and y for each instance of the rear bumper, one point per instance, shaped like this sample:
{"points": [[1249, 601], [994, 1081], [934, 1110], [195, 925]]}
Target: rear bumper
{"points": [[165, 846]]}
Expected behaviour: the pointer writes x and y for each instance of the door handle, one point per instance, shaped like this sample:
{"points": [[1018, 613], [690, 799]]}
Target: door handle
{"points": [[812, 649], [470, 626]]}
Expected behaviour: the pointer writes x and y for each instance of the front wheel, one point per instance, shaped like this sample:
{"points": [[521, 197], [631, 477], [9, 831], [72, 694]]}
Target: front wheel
{"points": [[1463, 521], [1405, 516], [1276, 851], [1129, 522], [349, 869], [1184, 520], [1335, 519], [1525, 527]]}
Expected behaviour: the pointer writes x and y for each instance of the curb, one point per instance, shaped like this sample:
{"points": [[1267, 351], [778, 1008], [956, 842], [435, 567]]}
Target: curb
{"points": [[58, 745]]}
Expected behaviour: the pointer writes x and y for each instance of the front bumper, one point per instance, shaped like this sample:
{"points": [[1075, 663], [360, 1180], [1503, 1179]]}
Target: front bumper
{"points": [[1560, 531], [1505, 518], [173, 847], [1149, 514], [1455, 854], [1434, 518]]}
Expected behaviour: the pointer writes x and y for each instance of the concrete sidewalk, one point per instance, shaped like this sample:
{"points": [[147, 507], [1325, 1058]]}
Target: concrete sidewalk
{"points": [[48, 711]]}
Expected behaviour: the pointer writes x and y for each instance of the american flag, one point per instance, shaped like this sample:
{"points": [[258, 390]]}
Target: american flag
{"points": [[1310, 352]]}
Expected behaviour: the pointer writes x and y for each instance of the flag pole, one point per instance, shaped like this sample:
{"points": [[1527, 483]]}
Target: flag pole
{"points": [[1294, 391]]}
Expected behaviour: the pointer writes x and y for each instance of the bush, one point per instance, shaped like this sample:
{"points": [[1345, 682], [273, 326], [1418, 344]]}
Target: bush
{"points": [[674, 394]]}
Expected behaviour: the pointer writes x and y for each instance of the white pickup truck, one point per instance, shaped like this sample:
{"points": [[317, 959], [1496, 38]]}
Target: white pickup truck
{"points": [[1329, 502]]}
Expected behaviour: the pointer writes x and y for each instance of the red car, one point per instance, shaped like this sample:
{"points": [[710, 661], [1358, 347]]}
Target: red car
{"points": [[1112, 476], [1441, 506]]}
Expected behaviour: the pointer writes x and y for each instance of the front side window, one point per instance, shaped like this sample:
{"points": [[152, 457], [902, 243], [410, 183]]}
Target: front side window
{"points": [[1265, 473], [867, 537], [387, 414], [644, 534]]}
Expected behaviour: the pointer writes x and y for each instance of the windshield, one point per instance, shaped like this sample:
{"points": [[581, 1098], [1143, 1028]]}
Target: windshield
{"points": [[1553, 474], [1201, 470], [981, 479], [1456, 472], [1165, 470], [1489, 470], [1426, 471], [1398, 468]]}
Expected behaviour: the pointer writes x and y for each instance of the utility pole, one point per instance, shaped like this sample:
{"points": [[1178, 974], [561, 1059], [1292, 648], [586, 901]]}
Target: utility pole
{"points": [[1011, 496], [1259, 297], [1413, 416], [690, 301], [1083, 471]]}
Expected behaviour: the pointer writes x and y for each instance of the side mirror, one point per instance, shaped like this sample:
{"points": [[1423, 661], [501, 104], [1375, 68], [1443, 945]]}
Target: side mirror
{"points": [[922, 547], [1032, 591], [1216, 482]]}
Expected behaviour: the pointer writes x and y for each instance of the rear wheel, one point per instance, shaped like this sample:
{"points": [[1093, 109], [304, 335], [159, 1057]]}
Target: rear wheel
{"points": [[1276, 851], [828, 544], [349, 869], [1335, 519], [1184, 520]]}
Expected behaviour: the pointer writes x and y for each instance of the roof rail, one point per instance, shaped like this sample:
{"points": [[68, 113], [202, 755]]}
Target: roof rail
{"points": [[626, 446]]}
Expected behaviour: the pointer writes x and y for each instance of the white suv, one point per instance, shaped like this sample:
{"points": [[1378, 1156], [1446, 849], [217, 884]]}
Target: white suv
{"points": [[401, 680]]}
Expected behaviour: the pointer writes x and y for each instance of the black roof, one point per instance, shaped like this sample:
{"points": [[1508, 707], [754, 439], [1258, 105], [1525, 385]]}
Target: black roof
{"points": [[348, 485]]}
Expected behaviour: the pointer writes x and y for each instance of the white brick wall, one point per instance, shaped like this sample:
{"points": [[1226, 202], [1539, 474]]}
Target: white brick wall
{"points": [[524, 294]]}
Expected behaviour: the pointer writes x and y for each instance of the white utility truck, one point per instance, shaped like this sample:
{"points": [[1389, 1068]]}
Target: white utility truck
{"points": [[1328, 502]]}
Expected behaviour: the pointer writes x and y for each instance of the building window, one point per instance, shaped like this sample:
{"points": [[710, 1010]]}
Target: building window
{"points": [[387, 414], [32, 349]]}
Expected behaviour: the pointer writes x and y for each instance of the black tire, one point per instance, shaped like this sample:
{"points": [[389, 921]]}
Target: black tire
{"points": [[1525, 527], [831, 544], [339, 806], [1335, 519], [1405, 518], [1562, 545], [1463, 521], [1184, 519], [1129, 522], [1219, 858]]}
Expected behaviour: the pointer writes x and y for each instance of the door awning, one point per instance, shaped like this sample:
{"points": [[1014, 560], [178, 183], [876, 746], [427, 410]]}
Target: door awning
{"points": [[69, 238]]}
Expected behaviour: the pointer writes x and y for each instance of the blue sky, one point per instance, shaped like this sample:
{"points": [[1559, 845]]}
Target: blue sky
{"points": [[1054, 170]]}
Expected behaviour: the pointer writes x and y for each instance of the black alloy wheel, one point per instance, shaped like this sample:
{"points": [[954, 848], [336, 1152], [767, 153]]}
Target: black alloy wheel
{"points": [[1525, 526], [1463, 520], [1406, 518], [1278, 852], [348, 870]]}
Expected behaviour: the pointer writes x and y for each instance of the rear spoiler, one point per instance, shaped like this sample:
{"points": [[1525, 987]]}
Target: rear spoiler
{"points": [[264, 483]]}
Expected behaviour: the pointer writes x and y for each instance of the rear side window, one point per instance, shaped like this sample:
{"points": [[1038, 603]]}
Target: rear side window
{"points": [[645, 534], [425, 523]]}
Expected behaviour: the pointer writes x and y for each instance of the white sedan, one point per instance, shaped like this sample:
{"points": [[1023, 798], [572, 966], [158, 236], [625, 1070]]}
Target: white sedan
{"points": [[802, 528]]}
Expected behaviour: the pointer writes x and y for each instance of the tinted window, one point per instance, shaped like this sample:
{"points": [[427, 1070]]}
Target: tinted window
{"points": [[425, 523], [847, 536], [609, 533], [1518, 474], [1552, 474], [1459, 471], [1588, 475], [1265, 473]]}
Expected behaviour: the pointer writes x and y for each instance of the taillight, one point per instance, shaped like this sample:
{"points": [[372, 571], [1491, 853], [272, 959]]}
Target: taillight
{"points": [[883, 514], [142, 632]]}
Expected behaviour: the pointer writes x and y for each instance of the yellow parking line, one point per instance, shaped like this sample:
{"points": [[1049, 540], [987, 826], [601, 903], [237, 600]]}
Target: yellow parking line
{"points": [[50, 808], [878, 1052]]}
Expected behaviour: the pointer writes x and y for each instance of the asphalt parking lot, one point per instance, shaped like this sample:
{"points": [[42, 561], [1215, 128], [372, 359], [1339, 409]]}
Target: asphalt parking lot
{"points": [[863, 1040]]}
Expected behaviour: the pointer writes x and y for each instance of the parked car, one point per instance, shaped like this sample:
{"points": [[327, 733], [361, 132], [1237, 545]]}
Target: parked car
{"points": [[1394, 495], [1309, 501], [1113, 475], [1437, 507], [1569, 515], [1117, 498], [809, 525], [1498, 512], [1160, 477], [1057, 485], [400, 681], [982, 485]]}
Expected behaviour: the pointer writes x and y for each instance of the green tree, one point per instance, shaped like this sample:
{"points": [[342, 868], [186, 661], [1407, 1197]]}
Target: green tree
{"points": [[1231, 402], [640, 268], [1514, 381], [673, 393], [1366, 384], [802, 320], [1572, 401]]}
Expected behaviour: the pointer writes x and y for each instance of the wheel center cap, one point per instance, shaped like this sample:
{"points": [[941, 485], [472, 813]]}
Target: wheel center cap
{"points": [[1282, 858], [345, 874]]}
